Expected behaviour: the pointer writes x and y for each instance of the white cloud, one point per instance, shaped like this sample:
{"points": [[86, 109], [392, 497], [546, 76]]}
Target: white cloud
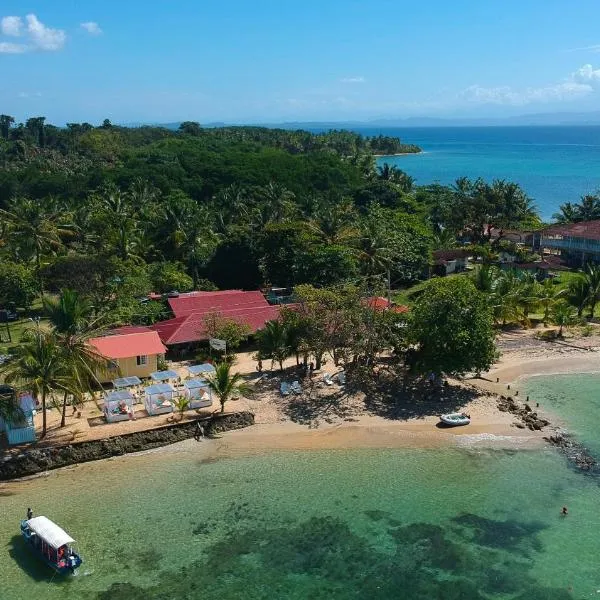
{"points": [[11, 26], [10, 48], [36, 36], [592, 48], [91, 27], [29, 94], [44, 38], [358, 79], [587, 75], [581, 82]]}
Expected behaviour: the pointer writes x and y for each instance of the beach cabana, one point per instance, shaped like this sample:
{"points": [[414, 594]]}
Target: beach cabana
{"points": [[125, 382], [201, 370], [164, 375], [198, 393], [118, 406], [21, 429], [158, 398]]}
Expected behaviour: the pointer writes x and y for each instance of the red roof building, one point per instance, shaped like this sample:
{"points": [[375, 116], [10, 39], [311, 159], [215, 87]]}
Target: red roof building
{"points": [[191, 310], [127, 342], [131, 351], [192, 327], [205, 302], [381, 303]]}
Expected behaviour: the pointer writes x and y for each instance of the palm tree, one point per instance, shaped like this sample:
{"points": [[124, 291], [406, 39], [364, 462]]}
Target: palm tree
{"points": [[69, 313], [39, 367], [10, 411], [274, 342], [578, 294], [548, 295], [563, 315], [484, 277], [588, 208], [70, 316], [35, 228], [592, 278], [226, 385], [568, 213]]}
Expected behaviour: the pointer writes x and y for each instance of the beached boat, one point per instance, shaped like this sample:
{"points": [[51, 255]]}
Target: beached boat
{"points": [[455, 419], [51, 543]]}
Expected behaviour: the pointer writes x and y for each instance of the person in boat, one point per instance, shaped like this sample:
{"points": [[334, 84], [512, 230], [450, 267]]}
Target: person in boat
{"points": [[29, 514]]}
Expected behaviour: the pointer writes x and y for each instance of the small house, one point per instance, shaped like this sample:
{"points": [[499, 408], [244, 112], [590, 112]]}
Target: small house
{"points": [[446, 262], [131, 352]]}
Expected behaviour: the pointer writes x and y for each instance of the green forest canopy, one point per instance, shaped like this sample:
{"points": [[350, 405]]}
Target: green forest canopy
{"points": [[115, 212]]}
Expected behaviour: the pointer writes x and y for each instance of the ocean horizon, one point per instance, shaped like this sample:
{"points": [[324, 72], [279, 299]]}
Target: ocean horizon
{"points": [[553, 164]]}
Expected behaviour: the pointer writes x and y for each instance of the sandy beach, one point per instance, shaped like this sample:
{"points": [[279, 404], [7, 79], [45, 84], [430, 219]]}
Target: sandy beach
{"points": [[323, 417]]}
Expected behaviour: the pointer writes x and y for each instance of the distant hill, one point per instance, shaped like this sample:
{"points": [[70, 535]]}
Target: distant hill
{"points": [[540, 119]]}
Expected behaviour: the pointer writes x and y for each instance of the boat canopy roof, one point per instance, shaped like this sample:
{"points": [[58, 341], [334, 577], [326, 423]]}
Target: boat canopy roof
{"points": [[50, 532]]}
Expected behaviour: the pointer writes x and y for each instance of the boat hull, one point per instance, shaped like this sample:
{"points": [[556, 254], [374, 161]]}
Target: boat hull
{"points": [[455, 420], [62, 567]]}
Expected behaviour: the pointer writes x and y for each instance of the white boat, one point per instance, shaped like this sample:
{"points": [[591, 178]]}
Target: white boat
{"points": [[455, 419]]}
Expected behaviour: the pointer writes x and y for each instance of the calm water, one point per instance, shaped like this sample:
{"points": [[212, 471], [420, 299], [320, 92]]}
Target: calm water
{"points": [[418, 524], [574, 398], [553, 164]]}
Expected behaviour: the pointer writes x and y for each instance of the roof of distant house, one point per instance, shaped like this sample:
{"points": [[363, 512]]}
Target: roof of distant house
{"points": [[192, 302], [129, 341], [192, 327], [440, 256], [381, 303], [585, 229]]}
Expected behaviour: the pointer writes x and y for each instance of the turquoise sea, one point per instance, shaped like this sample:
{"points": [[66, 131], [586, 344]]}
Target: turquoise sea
{"points": [[364, 524], [553, 164]]}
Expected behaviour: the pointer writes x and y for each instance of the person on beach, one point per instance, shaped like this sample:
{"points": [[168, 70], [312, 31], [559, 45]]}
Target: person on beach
{"points": [[564, 511]]}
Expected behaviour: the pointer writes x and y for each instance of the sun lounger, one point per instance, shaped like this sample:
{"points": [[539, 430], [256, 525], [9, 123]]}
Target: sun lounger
{"points": [[285, 389], [327, 379], [296, 387]]}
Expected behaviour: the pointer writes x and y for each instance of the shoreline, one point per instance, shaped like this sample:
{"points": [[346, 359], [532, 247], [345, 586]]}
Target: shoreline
{"points": [[491, 426]]}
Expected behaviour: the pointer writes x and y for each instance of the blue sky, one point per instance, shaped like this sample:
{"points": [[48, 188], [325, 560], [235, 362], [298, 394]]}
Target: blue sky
{"points": [[276, 60]]}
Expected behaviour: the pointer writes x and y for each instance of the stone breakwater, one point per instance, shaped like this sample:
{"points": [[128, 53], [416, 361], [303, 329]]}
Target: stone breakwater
{"points": [[577, 454], [37, 460], [528, 417]]}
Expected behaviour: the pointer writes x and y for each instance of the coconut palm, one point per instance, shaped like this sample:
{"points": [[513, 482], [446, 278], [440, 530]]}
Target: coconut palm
{"points": [[70, 317], [10, 411], [592, 278], [274, 342], [484, 277], [226, 385], [39, 366], [548, 296], [578, 294], [34, 229], [563, 315]]}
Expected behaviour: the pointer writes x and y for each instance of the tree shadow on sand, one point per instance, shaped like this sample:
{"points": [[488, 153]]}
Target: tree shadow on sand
{"points": [[390, 399]]}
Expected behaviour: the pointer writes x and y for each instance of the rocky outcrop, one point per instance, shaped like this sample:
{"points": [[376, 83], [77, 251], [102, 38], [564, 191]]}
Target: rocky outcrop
{"points": [[36, 460], [528, 417], [577, 454]]}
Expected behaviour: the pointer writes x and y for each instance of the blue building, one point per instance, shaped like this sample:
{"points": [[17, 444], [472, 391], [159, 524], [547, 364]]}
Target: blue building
{"points": [[576, 243]]}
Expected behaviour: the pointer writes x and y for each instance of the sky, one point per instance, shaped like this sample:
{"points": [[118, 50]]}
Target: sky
{"points": [[267, 61]]}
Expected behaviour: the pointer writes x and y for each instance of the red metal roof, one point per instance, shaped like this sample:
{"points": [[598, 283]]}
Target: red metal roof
{"points": [[381, 303], [191, 327], [586, 229], [192, 302], [134, 341]]}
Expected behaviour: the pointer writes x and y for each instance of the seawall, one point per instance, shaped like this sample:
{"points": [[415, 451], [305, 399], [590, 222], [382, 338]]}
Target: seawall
{"points": [[37, 460]]}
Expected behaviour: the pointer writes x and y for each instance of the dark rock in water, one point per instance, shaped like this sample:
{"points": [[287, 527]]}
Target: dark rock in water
{"points": [[38, 460], [577, 454]]}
